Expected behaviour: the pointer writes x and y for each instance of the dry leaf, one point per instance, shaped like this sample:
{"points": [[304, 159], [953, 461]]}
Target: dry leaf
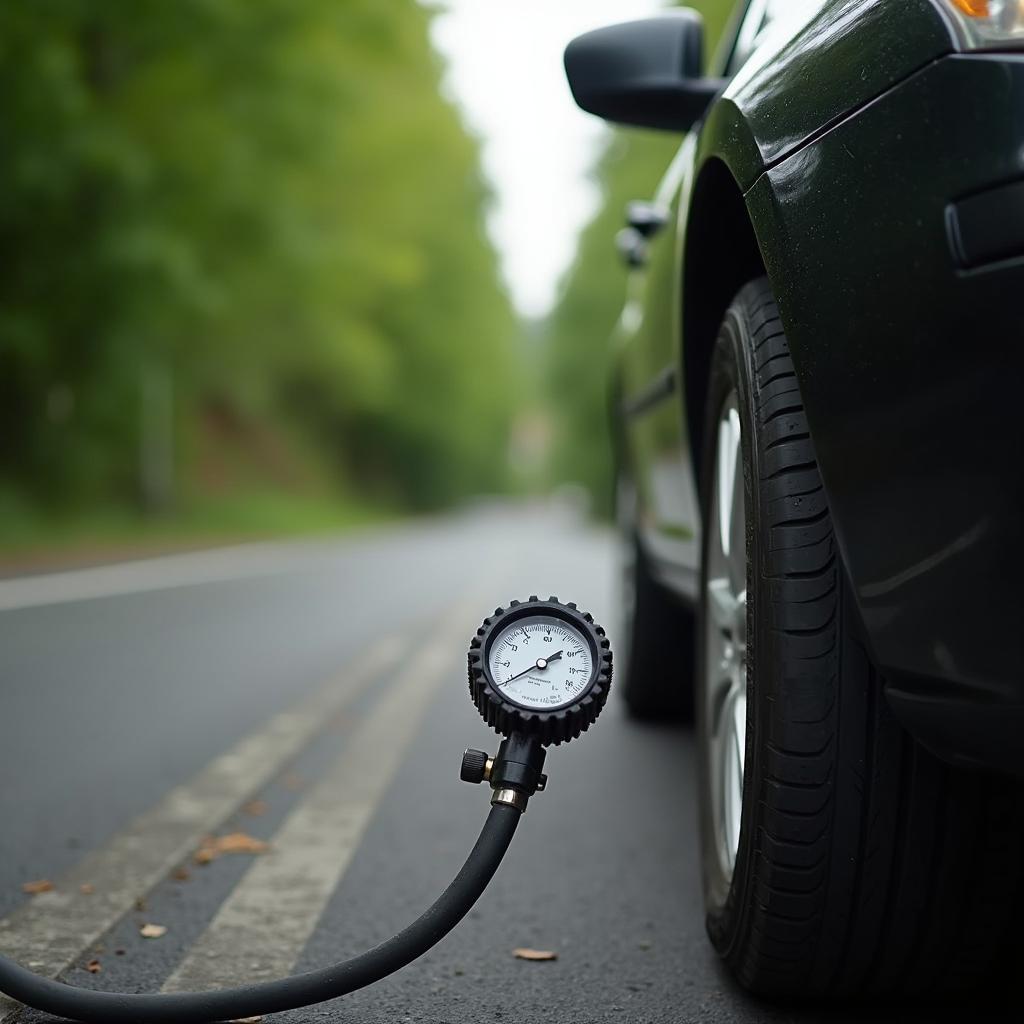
{"points": [[35, 888], [534, 954], [234, 842], [256, 808], [87, 888], [240, 842], [180, 874], [93, 967], [153, 931], [140, 904], [118, 952]]}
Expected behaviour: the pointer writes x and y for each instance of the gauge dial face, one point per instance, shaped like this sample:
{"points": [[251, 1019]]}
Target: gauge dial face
{"points": [[541, 662]]}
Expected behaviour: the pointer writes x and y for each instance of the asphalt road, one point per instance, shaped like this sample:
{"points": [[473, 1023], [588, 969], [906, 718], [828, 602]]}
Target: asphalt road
{"points": [[145, 706]]}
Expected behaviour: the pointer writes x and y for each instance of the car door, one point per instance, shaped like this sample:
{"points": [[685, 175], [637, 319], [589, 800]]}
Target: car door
{"points": [[649, 378]]}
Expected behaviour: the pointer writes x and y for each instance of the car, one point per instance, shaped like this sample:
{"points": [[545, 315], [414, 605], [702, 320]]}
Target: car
{"points": [[820, 465]]}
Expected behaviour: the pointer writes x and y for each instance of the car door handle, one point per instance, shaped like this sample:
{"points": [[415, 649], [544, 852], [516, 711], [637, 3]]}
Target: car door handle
{"points": [[645, 217], [632, 247]]}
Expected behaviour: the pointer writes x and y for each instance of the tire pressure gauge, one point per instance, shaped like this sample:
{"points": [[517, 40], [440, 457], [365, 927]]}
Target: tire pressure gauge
{"points": [[540, 669], [539, 673]]}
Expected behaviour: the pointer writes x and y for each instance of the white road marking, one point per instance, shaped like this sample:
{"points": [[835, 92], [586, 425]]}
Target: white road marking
{"points": [[263, 926], [216, 565], [49, 932]]}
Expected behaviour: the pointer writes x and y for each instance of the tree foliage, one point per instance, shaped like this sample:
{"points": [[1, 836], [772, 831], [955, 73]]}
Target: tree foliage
{"points": [[268, 204]]}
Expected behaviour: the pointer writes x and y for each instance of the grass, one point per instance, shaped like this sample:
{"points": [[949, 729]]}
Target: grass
{"points": [[30, 539]]}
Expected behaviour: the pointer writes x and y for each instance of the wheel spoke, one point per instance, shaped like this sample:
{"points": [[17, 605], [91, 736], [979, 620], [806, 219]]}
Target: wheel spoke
{"points": [[722, 604], [736, 552], [728, 446], [732, 754]]}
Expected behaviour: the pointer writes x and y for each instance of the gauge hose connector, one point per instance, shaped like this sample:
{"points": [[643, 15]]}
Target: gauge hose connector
{"points": [[514, 772]]}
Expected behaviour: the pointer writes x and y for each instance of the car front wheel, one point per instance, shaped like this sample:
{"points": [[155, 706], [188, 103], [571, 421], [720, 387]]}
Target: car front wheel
{"points": [[838, 855]]}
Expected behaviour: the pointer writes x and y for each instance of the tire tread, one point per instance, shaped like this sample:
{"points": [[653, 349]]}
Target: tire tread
{"points": [[897, 897]]}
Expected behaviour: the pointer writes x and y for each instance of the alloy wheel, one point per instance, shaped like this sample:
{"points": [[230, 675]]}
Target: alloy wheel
{"points": [[725, 662]]}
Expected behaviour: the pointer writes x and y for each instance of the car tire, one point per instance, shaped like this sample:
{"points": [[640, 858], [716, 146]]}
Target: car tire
{"points": [[854, 862], [655, 649]]}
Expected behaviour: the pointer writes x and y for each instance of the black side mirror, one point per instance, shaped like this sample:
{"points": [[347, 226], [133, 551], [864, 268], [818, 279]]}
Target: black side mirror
{"points": [[645, 73]]}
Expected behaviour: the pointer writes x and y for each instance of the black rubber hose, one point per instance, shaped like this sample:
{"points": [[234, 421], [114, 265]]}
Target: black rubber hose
{"points": [[289, 993]]}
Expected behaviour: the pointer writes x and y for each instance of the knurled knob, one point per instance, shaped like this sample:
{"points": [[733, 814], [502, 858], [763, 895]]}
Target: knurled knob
{"points": [[474, 766]]}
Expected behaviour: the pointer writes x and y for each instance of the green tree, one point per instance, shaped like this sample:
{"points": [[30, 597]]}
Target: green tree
{"points": [[268, 207]]}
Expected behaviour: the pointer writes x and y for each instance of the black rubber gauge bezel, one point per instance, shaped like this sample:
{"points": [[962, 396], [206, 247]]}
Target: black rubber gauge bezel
{"points": [[550, 725]]}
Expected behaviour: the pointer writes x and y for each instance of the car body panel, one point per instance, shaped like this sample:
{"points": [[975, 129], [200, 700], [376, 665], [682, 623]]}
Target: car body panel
{"points": [[850, 133], [911, 369], [667, 507], [812, 69], [744, 129]]}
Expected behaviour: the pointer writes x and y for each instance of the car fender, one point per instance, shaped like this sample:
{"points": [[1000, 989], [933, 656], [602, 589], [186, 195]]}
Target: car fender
{"points": [[815, 67]]}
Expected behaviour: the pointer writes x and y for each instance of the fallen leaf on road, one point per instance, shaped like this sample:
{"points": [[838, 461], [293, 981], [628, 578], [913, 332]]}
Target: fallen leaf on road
{"points": [[534, 954], [94, 967], [34, 888], [180, 874], [153, 931], [256, 808], [240, 842], [140, 904], [294, 781], [87, 888], [234, 842]]}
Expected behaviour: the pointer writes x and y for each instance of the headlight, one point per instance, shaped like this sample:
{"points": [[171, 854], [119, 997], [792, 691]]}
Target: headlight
{"points": [[989, 23]]}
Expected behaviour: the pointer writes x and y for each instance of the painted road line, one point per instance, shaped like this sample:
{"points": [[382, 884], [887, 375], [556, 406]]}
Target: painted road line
{"points": [[262, 927], [165, 572], [49, 932]]}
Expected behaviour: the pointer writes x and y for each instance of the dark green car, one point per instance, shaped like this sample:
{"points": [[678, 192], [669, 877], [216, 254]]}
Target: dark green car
{"points": [[820, 473]]}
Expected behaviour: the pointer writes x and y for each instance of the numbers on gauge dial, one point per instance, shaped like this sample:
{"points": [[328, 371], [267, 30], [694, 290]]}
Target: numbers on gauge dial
{"points": [[541, 662]]}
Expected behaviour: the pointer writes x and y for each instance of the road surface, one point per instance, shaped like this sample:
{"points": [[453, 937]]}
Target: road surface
{"points": [[312, 695]]}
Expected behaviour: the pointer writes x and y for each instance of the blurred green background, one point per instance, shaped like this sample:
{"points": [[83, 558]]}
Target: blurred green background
{"points": [[247, 286]]}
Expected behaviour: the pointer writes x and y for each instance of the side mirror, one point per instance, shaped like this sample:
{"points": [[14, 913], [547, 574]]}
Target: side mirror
{"points": [[645, 73]]}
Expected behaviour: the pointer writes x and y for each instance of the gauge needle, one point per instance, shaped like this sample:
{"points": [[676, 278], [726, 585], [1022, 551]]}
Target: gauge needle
{"points": [[540, 663]]}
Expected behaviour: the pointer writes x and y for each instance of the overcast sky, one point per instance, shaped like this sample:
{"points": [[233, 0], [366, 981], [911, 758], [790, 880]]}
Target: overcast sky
{"points": [[505, 72]]}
